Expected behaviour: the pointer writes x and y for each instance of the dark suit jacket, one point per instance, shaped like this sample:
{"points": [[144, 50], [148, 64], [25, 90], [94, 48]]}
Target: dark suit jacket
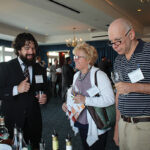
{"points": [[67, 75], [67, 78], [17, 109]]}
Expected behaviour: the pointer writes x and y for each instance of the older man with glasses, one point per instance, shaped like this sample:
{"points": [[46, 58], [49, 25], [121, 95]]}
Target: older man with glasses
{"points": [[133, 93]]}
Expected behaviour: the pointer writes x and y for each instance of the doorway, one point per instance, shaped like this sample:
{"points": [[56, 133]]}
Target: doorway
{"points": [[60, 55]]}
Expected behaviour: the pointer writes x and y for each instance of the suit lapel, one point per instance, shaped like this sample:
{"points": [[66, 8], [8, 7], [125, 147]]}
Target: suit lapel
{"points": [[33, 74], [18, 69]]}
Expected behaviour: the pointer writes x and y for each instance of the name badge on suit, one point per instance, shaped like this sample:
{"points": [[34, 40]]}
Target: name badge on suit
{"points": [[39, 79]]}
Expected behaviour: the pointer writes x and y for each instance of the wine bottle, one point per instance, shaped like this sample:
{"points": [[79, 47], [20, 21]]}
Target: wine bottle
{"points": [[22, 143], [15, 139], [29, 145], [42, 145], [68, 143], [3, 130], [55, 144]]}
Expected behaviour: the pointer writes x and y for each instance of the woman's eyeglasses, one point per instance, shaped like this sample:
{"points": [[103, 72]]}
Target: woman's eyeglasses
{"points": [[77, 57]]}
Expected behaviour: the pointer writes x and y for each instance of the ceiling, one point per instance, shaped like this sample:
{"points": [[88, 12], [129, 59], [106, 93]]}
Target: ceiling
{"points": [[52, 23]]}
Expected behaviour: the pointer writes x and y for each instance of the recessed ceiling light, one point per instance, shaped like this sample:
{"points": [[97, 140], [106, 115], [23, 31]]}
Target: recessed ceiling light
{"points": [[139, 10]]}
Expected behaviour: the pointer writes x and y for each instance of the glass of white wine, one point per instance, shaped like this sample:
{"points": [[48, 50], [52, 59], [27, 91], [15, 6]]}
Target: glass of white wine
{"points": [[39, 94], [116, 77]]}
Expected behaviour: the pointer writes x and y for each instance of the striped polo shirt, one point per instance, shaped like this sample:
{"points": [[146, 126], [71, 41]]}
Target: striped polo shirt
{"points": [[135, 104]]}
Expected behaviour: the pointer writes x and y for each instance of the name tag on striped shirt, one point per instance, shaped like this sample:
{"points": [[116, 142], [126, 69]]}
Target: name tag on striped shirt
{"points": [[136, 75]]}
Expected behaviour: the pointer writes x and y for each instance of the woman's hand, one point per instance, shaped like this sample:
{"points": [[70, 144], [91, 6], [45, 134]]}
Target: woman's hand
{"points": [[79, 99], [64, 107]]}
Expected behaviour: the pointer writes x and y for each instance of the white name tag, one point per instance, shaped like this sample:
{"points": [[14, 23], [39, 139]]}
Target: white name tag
{"points": [[38, 79], [136, 75], [93, 91]]}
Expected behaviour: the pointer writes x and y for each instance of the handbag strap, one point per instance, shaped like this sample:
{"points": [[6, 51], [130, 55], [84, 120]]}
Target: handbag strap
{"points": [[96, 81], [104, 110]]}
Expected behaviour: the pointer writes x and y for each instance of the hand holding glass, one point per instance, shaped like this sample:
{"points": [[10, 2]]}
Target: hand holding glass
{"points": [[116, 77], [39, 94]]}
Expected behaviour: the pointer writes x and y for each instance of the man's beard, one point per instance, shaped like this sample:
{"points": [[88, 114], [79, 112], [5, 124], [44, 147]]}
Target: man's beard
{"points": [[28, 62]]}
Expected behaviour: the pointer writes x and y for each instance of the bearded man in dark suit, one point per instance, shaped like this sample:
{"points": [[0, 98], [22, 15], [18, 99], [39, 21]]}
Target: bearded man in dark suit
{"points": [[20, 104]]}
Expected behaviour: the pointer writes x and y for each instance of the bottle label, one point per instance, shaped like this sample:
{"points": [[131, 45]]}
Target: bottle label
{"points": [[55, 145], [68, 147], [4, 136], [24, 148], [2, 121]]}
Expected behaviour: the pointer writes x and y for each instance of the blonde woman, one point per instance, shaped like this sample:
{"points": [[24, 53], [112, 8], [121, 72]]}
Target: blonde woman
{"points": [[85, 57]]}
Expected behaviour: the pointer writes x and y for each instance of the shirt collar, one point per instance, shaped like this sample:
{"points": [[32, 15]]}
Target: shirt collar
{"points": [[20, 61], [139, 47]]}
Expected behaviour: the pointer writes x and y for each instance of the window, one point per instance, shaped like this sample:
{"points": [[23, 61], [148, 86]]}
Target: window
{"points": [[1, 54], [8, 49], [6, 53], [7, 58]]}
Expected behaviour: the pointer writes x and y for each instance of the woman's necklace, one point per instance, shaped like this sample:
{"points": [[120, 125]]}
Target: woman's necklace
{"points": [[82, 76]]}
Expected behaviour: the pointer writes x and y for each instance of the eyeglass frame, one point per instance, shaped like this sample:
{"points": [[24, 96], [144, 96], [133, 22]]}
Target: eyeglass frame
{"points": [[117, 43], [78, 57]]}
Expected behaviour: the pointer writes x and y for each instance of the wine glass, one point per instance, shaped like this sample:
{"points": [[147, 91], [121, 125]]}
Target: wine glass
{"points": [[39, 94], [116, 76]]}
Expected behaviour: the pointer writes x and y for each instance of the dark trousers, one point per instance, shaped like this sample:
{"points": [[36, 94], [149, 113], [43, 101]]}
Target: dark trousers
{"points": [[54, 93], [64, 92], [98, 145]]}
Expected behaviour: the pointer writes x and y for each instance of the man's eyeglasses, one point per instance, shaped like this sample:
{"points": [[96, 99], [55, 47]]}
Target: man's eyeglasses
{"points": [[77, 57], [117, 43]]}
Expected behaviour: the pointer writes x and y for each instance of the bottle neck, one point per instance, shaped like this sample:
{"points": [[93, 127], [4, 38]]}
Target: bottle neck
{"points": [[68, 145], [22, 143], [2, 123], [55, 144], [68, 142], [55, 138]]}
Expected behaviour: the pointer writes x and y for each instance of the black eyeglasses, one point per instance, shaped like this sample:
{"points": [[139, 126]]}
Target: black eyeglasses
{"points": [[77, 57], [117, 43]]}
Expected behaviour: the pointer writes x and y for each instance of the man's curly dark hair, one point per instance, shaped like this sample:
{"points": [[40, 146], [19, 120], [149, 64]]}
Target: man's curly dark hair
{"points": [[20, 41]]}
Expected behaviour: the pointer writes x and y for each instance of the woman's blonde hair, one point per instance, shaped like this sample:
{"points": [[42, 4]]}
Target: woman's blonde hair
{"points": [[89, 50]]}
